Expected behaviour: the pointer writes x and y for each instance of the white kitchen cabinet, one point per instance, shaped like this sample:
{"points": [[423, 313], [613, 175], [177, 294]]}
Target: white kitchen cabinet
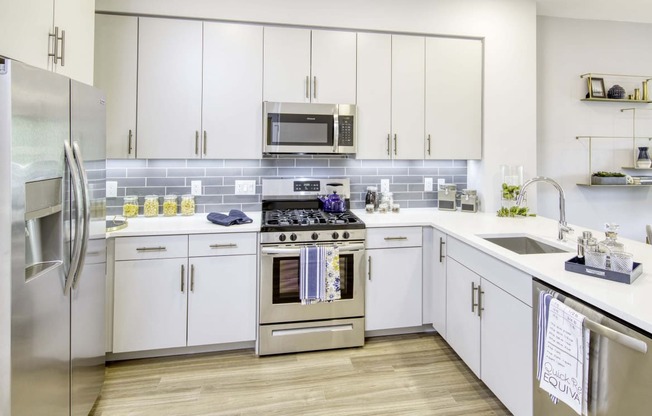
{"points": [[302, 65], [150, 304], [25, 28], [436, 292], [374, 96], [116, 71], [453, 98], [169, 88], [232, 91], [408, 95], [393, 286]]}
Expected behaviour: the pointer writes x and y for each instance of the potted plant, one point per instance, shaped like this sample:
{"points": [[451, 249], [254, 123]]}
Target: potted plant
{"points": [[608, 178]]}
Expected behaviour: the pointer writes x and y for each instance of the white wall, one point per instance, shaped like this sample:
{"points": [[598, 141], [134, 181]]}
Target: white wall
{"points": [[508, 27], [567, 48]]}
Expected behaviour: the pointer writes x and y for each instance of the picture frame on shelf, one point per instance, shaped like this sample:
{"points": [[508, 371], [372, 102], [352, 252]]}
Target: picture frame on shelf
{"points": [[596, 88]]}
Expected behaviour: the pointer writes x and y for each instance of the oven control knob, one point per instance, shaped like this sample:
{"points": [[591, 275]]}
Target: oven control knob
{"points": [[346, 234], [281, 237], [314, 236], [336, 235], [293, 237]]}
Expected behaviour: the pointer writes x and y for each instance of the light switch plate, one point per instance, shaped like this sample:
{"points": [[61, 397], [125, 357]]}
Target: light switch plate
{"points": [[427, 184], [195, 187], [245, 187], [384, 185], [111, 189]]}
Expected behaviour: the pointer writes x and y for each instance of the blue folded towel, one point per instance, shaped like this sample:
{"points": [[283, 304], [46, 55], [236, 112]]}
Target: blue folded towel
{"points": [[312, 270], [235, 216]]}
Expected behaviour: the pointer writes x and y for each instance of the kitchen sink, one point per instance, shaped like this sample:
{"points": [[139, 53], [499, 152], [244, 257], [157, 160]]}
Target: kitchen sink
{"points": [[522, 244]]}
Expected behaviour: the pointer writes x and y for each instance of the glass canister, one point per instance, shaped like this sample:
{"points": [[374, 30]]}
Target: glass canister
{"points": [[130, 206], [170, 205], [150, 206], [511, 185], [387, 198], [187, 204], [371, 198]]}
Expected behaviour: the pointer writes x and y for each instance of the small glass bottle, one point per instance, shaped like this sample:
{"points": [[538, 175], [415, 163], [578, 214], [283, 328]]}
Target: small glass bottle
{"points": [[170, 205], [610, 243], [130, 206], [150, 206], [187, 204]]}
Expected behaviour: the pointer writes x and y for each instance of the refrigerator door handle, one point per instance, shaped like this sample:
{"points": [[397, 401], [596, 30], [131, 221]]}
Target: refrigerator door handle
{"points": [[86, 214], [77, 246]]}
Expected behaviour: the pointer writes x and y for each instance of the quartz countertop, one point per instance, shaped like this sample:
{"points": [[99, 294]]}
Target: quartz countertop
{"points": [[191, 224]]}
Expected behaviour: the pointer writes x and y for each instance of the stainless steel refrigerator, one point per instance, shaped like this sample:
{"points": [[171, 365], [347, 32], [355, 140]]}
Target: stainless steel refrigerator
{"points": [[53, 252]]}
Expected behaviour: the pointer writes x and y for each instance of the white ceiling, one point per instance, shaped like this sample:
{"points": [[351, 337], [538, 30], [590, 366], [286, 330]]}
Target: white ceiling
{"points": [[620, 10]]}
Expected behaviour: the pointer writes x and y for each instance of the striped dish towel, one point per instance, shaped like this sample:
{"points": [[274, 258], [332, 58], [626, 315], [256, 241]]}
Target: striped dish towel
{"points": [[542, 324], [312, 270]]}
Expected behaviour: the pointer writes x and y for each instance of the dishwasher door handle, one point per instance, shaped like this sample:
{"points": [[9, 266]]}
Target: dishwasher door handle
{"points": [[615, 336]]}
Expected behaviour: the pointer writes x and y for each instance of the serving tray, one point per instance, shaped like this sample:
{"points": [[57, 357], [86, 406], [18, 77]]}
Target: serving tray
{"points": [[574, 265]]}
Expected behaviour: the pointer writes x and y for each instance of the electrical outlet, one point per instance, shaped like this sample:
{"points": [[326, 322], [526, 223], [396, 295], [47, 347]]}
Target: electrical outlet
{"points": [[195, 187], [440, 182], [245, 187], [427, 184], [111, 189], [384, 185]]}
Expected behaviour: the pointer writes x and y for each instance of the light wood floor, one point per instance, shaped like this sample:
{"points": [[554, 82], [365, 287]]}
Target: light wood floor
{"points": [[400, 375]]}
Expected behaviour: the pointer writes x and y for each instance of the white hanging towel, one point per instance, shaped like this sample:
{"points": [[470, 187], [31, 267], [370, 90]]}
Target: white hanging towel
{"points": [[564, 367]]}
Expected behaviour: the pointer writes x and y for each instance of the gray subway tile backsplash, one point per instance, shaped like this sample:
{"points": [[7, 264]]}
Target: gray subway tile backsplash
{"points": [[218, 176]]}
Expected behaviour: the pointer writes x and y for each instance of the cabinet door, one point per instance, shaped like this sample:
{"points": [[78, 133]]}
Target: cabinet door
{"points": [[408, 72], [24, 29], [116, 65], [286, 65], [453, 98], [222, 300], [393, 288], [150, 304], [333, 67], [463, 323], [438, 283], [169, 88], [507, 348], [77, 19], [233, 91], [374, 96]]}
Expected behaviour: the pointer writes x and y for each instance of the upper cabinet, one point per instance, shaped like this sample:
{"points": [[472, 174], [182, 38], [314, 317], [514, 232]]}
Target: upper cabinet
{"points": [[50, 34], [303, 65], [453, 98], [116, 69]]}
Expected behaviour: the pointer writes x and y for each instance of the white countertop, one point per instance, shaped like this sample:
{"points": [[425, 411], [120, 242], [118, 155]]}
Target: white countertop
{"points": [[632, 303]]}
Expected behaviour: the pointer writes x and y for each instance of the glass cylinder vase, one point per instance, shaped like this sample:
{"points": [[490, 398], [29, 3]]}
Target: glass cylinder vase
{"points": [[512, 180]]}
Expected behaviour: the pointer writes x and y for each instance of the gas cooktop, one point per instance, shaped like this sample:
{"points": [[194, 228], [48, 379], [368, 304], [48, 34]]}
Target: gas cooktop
{"points": [[289, 219]]}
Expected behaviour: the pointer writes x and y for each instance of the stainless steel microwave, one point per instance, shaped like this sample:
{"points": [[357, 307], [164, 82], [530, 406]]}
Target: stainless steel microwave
{"points": [[307, 128]]}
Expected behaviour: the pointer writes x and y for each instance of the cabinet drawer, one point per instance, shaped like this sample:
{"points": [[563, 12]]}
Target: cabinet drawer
{"points": [[154, 247], [222, 244], [394, 237]]}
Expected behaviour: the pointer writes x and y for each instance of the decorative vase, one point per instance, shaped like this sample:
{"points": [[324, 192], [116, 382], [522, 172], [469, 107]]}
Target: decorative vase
{"points": [[643, 159]]}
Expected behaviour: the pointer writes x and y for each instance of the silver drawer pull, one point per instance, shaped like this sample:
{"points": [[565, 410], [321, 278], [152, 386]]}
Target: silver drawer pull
{"points": [[230, 245], [159, 248], [395, 238]]}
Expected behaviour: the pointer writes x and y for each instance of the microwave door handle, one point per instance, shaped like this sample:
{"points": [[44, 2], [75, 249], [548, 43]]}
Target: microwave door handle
{"points": [[336, 132]]}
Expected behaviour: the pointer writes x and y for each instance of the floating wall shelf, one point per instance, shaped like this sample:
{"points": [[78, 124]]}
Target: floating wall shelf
{"points": [[640, 80]]}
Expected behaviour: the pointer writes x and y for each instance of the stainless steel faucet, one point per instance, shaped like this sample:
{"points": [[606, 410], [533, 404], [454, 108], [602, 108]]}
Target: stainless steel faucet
{"points": [[563, 226]]}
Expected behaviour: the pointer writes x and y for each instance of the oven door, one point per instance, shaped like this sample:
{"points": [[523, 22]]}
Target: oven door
{"points": [[279, 286]]}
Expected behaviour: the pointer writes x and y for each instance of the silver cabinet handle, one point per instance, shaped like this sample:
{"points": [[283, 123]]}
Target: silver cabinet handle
{"points": [[473, 289], [307, 86], [395, 238], [197, 142], [205, 138], [159, 248], [389, 150], [428, 145], [55, 45], [129, 146], [183, 278], [63, 48], [314, 87], [192, 277], [441, 249], [395, 146], [480, 307], [369, 267], [229, 245]]}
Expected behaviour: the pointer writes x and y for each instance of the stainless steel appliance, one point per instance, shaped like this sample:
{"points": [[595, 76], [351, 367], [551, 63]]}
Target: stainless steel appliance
{"points": [[308, 128], [53, 138], [620, 364], [292, 218]]}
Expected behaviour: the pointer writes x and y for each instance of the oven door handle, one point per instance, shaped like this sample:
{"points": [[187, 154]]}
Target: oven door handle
{"points": [[297, 251]]}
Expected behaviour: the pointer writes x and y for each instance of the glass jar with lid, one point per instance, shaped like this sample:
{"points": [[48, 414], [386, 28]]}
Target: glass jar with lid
{"points": [[371, 198], [187, 204], [150, 206], [130, 206], [170, 205], [387, 198]]}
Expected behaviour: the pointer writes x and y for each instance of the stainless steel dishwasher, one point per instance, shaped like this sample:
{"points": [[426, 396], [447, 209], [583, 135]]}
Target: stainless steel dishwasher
{"points": [[620, 368]]}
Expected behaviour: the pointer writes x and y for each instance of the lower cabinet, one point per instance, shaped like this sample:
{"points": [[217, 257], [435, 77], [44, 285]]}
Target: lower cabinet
{"points": [[489, 323], [393, 285]]}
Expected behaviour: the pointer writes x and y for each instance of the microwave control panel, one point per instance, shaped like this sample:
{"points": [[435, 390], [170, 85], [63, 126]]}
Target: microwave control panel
{"points": [[345, 130]]}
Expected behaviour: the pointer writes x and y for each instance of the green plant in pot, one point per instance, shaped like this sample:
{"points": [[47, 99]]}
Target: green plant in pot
{"points": [[608, 178]]}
